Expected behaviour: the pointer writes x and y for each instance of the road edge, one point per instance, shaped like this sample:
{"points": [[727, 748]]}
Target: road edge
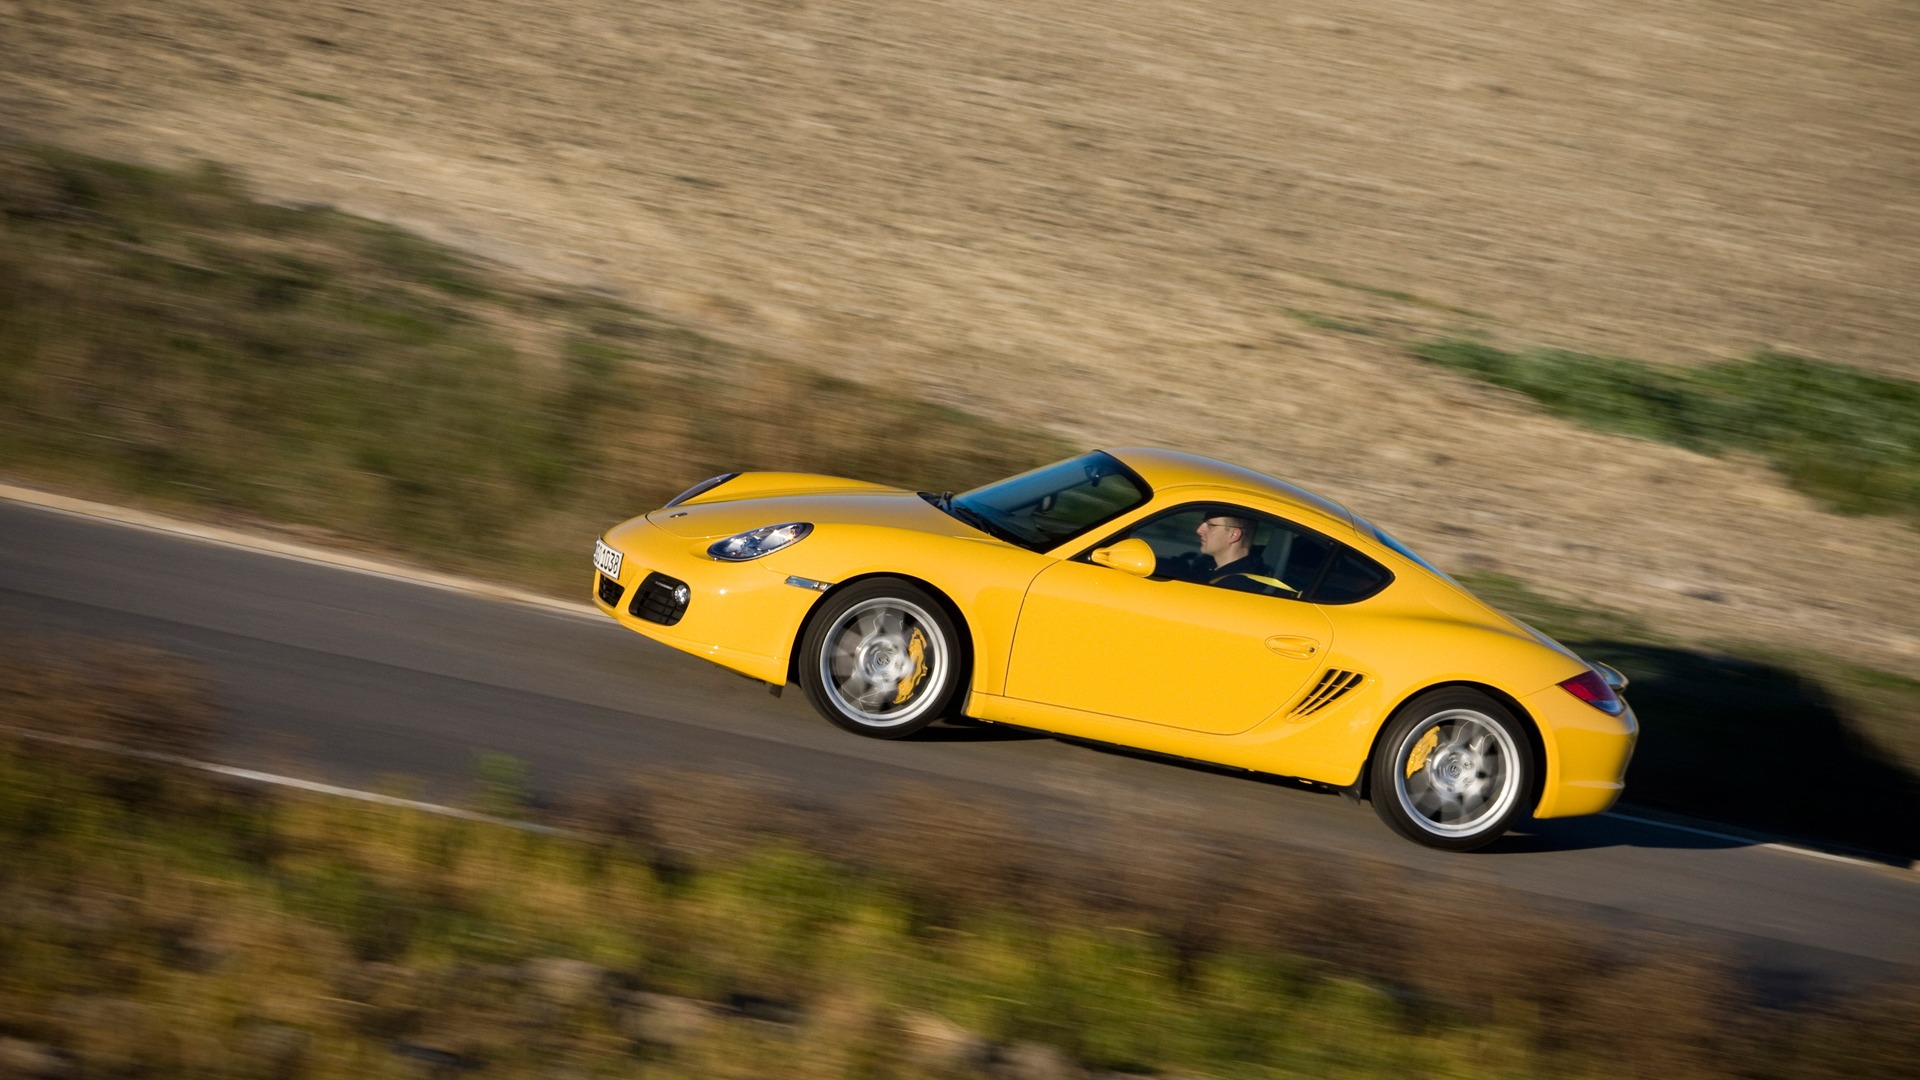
{"points": [[149, 521]]}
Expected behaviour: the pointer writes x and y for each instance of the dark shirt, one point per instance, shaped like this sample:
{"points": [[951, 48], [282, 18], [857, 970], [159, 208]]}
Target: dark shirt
{"points": [[1199, 569], [1247, 574], [1246, 564]]}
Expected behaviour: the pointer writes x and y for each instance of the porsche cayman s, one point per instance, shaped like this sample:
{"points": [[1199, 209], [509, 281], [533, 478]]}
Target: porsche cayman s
{"points": [[1146, 598]]}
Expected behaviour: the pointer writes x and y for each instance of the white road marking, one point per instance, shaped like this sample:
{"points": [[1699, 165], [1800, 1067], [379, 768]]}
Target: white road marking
{"points": [[257, 777], [284, 549], [1758, 842]]}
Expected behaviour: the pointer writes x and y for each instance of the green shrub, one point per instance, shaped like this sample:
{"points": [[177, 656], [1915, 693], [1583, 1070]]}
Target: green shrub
{"points": [[1839, 434]]}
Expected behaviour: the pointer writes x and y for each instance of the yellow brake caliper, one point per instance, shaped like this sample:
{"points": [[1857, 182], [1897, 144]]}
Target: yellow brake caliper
{"points": [[917, 652], [1417, 760]]}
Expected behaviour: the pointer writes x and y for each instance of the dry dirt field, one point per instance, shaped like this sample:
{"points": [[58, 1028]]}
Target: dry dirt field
{"points": [[1138, 221]]}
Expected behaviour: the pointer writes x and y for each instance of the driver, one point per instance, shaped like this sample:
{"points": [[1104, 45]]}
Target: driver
{"points": [[1228, 541], [1227, 559]]}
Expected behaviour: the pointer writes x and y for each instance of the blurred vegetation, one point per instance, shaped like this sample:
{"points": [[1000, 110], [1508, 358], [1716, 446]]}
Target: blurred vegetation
{"points": [[1836, 433], [1795, 743], [164, 334], [159, 923]]}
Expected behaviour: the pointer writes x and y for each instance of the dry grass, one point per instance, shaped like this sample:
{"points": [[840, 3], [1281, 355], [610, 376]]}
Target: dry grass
{"points": [[122, 695], [166, 335]]}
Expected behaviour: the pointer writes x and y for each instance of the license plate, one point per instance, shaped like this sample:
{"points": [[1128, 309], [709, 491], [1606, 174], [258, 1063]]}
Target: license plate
{"points": [[606, 560]]}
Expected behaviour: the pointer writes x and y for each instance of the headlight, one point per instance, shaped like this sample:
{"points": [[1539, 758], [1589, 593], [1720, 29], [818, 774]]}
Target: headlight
{"points": [[757, 542]]}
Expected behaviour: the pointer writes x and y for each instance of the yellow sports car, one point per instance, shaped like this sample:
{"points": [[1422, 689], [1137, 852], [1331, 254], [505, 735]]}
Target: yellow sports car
{"points": [[1145, 598]]}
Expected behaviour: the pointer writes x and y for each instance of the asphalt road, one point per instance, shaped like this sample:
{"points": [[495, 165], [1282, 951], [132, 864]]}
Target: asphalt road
{"points": [[351, 677]]}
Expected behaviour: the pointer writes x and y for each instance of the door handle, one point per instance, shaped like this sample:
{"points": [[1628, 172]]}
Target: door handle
{"points": [[1300, 648]]}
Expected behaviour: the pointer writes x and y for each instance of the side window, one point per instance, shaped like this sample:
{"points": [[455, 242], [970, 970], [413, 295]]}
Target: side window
{"points": [[1173, 537], [1233, 548]]}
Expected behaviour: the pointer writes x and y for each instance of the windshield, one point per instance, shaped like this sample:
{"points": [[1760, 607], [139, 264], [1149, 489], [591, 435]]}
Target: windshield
{"points": [[1042, 509]]}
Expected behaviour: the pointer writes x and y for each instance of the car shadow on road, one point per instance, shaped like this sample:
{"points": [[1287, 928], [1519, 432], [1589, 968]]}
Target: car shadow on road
{"points": [[1740, 752], [1613, 830], [1629, 827], [974, 731], [1764, 748]]}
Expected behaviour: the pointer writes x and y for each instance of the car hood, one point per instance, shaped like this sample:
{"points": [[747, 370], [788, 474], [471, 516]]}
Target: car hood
{"points": [[886, 507]]}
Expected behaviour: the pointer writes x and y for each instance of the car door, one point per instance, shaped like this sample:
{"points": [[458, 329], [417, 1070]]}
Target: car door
{"points": [[1157, 650]]}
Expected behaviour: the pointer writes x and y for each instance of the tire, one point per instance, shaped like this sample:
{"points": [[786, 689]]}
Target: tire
{"points": [[1453, 770], [882, 659]]}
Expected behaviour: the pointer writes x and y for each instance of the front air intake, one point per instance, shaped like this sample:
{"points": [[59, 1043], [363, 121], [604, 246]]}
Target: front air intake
{"points": [[660, 599], [1333, 686], [609, 591]]}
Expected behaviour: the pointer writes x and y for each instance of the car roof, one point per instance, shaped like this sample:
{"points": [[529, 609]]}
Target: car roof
{"points": [[1163, 469]]}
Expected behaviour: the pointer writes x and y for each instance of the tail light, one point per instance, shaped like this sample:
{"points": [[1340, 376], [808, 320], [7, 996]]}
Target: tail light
{"points": [[1589, 687]]}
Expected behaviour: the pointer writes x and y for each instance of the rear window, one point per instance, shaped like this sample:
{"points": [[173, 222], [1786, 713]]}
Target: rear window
{"points": [[1352, 577], [1393, 544]]}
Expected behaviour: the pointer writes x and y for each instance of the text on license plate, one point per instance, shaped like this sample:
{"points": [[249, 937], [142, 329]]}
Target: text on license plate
{"points": [[606, 560]]}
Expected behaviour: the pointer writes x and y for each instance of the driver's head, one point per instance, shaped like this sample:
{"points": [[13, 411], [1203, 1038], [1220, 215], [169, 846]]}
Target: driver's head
{"points": [[1225, 537]]}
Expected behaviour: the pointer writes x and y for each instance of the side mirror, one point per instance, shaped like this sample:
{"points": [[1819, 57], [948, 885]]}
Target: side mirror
{"points": [[1133, 556]]}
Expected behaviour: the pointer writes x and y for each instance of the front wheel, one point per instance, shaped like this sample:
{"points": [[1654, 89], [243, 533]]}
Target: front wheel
{"points": [[881, 659], [1452, 770]]}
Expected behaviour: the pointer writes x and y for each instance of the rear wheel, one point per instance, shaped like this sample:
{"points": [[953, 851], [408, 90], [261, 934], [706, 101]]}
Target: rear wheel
{"points": [[882, 659], [1452, 770]]}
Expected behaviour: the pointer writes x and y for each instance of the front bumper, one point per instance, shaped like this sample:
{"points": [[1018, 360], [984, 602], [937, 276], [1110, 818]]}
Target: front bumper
{"points": [[1587, 753], [742, 616]]}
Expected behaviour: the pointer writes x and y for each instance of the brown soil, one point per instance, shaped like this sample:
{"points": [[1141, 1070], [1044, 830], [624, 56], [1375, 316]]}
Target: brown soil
{"points": [[1137, 221]]}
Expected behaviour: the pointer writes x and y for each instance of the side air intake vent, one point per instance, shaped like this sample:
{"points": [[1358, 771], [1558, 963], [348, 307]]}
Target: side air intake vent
{"points": [[1333, 686]]}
